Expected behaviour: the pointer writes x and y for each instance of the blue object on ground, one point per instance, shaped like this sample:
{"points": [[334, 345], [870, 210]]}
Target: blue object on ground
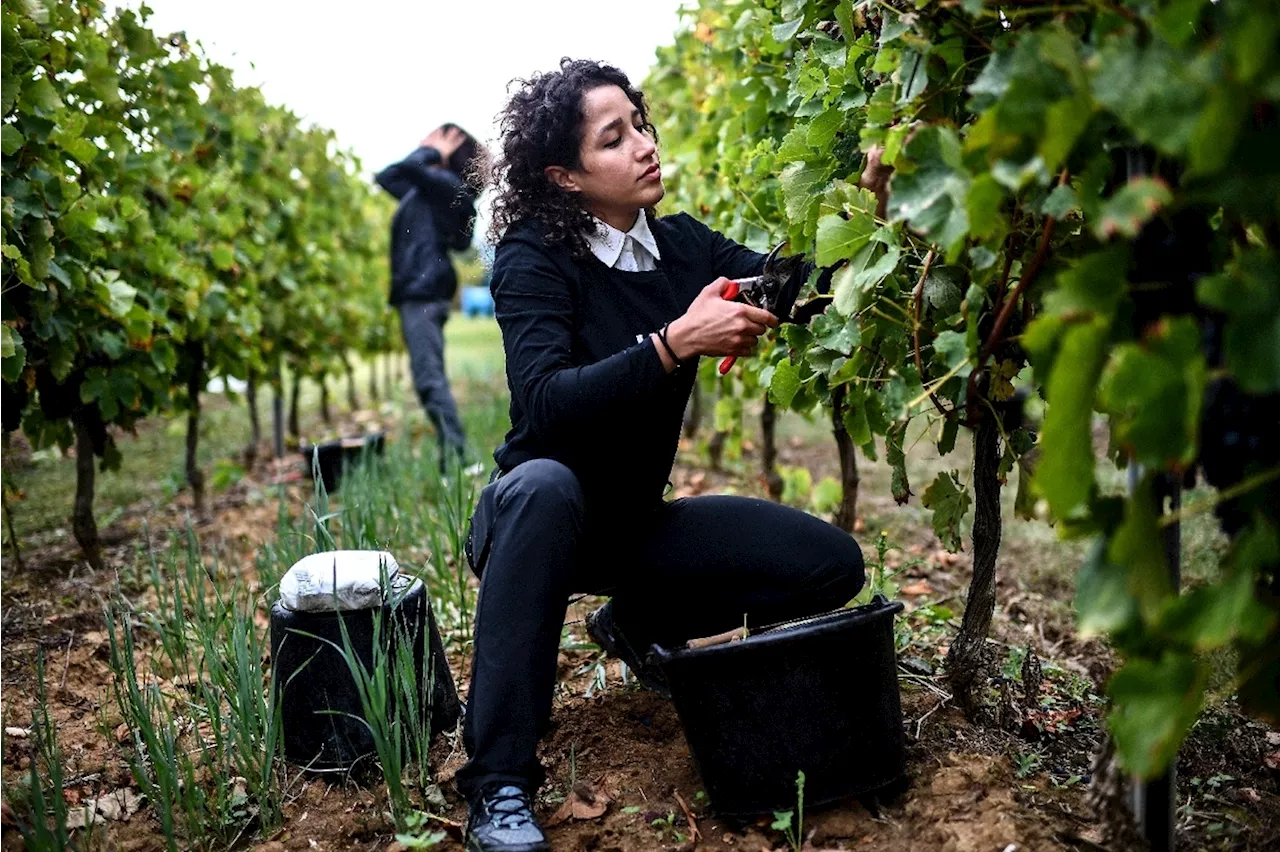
{"points": [[476, 301]]}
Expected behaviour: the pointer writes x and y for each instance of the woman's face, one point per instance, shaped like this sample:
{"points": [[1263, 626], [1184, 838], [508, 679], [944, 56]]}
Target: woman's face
{"points": [[619, 174]]}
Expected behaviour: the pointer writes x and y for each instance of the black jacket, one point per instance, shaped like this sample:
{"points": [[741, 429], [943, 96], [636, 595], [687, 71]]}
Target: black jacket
{"points": [[436, 213], [588, 389]]}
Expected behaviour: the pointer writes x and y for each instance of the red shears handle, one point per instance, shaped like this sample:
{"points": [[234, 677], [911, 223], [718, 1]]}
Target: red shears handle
{"points": [[730, 293]]}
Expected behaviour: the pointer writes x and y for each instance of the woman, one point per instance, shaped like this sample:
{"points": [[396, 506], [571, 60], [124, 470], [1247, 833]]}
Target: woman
{"points": [[605, 309], [436, 214]]}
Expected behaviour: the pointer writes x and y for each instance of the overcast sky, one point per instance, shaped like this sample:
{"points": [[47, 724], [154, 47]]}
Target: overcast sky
{"points": [[382, 73]]}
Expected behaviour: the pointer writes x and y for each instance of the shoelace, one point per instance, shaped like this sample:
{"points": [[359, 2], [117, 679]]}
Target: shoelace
{"points": [[507, 817]]}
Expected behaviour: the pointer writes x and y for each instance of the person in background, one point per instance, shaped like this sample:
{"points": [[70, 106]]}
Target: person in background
{"points": [[436, 214]]}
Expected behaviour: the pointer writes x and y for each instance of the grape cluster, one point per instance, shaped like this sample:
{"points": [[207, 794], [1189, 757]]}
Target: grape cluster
{"points": [[1170, 256], [1238, 430], [1238, 438]]}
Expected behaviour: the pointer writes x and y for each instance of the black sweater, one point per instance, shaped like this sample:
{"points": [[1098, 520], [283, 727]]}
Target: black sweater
{"points": [[436, 213], [588, 388]]}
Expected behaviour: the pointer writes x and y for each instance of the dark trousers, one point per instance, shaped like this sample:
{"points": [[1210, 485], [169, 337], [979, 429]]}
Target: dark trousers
{"points": [[423, 326], [691, 567]]}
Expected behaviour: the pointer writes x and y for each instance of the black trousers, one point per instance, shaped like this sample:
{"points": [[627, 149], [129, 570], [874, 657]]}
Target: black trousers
{"points": [[690, 567]]}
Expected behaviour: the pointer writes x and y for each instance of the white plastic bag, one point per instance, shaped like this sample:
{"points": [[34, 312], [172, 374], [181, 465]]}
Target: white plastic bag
{"points": [[354, 575]]}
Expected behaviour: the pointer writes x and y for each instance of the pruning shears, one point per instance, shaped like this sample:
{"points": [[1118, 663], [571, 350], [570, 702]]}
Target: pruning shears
{"points": [[775, 289]]}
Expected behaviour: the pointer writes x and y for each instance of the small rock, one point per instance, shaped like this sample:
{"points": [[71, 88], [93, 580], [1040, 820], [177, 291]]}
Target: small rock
{"points": [[915, 665], [17, 733]]}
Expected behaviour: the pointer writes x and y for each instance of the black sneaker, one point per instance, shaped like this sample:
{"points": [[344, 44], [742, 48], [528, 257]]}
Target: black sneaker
{"points": [[503, 821], [605, 633]]}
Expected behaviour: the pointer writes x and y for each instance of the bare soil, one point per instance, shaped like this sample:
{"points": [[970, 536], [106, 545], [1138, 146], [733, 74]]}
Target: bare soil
{"points": [[1016, 778]]}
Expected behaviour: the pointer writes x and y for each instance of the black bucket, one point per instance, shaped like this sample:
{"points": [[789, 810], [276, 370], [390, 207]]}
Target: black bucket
{"points": [[818, 695], [333, 457], [312, 678]]}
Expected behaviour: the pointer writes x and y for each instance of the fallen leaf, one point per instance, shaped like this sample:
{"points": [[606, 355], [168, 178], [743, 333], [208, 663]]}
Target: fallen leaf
{"points": [[1272, 760], [116, 806], [913, 589], [583, 803], [81, 817], [944, 557]]}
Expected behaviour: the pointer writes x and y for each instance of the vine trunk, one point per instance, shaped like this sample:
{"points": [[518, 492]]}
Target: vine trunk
{"points": [[966, 658], [847, 513], [82, 522], [195, 381], [769, 450], [255, 425]]}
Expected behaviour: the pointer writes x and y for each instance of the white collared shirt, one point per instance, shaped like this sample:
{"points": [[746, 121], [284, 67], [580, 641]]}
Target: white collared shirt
{"points": [[629, 251]]}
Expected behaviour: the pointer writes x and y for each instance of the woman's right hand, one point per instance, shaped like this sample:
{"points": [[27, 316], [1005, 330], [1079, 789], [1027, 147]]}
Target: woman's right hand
{"points": [[715, 326]]}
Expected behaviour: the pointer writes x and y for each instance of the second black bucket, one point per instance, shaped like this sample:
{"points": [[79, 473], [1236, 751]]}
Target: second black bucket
{"points": [[819, 696], [319, 704], [333, 457]]}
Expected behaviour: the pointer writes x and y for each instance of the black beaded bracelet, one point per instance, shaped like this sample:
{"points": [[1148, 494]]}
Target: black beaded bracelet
{"points": [[662, 335]]}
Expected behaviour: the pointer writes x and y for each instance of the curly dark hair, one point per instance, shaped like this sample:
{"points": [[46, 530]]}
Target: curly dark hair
{"points": [[541, 126]]}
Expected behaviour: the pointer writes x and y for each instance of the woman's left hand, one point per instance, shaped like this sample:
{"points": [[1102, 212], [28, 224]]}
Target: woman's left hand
{"points": [[714, 325]]}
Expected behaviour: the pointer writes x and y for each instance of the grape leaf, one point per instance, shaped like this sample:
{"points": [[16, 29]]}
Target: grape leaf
{"points": [[785, 384], [933, 196], [1154, 704], [11, 140], [900, 487], [1065, 473], [949, 501], [1132, 205]]}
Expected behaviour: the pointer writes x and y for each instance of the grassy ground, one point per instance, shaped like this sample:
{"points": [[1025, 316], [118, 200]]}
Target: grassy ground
{"points": [[192, 599], [152, 471]]}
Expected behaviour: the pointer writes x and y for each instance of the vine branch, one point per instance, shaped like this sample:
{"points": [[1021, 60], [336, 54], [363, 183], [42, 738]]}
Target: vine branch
{"points": [[1242, 487], [1028, 275], [1024, 280], [917, 298]]}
